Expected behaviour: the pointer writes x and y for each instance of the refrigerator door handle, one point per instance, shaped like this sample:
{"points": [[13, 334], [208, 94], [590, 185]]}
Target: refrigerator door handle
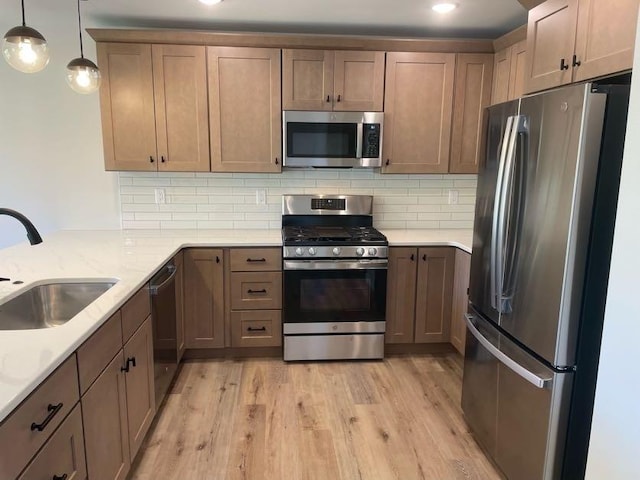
{"points": [[534, 379], [496, 281]]}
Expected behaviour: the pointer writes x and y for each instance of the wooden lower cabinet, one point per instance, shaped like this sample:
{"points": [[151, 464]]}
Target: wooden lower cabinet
{"points": [[204, 298], [256, 328], [460, 300], [141, 400], [62, 457], [419, 294], [180, 337], [104, 415]]}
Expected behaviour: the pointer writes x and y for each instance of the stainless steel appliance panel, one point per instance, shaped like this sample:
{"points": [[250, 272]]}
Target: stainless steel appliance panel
{"points": [[307, 328], [515, 405], [544, 218], [303, 205], [334, 347], [480, 286]]}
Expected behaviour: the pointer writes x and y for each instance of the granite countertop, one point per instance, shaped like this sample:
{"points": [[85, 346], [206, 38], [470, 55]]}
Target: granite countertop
{"points": [[27, 357]]}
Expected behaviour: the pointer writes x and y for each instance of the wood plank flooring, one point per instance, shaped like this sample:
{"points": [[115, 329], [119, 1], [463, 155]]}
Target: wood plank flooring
{"points": [[263, 419]]}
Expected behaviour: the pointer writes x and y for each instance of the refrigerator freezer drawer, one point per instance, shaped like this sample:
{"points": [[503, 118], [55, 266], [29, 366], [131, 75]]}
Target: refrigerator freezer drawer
{"points": [[515, 405]]}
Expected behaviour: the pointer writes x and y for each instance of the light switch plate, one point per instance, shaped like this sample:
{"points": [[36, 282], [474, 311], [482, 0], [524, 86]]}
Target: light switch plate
{"points": [[453, 197], [160, 196], [261, 197]]}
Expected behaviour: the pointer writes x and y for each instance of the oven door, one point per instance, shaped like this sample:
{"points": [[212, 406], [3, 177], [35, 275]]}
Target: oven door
{"points": [[334, 296]]}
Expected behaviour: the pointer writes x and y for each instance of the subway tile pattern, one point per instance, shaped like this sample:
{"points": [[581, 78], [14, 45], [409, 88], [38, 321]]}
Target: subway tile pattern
{"points": [[228, 200]]}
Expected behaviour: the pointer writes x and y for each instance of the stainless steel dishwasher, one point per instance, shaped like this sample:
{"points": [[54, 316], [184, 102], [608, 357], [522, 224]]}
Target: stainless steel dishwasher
{"points": [[165, 343]]}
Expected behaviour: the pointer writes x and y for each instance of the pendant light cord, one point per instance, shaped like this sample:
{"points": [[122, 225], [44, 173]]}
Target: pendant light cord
{"points": [[79, 30], [23, 22]]}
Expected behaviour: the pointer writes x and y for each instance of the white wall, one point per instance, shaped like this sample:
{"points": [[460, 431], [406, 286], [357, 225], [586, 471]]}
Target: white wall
{"points": [[51, 161], [615, 433]]}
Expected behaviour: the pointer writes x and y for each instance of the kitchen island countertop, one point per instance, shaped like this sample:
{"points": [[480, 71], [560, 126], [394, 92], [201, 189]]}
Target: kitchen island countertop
{"points": [[131, 257]]}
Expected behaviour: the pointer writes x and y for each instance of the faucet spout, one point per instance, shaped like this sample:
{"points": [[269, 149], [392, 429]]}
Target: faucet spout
{"points": [[32, 233]]}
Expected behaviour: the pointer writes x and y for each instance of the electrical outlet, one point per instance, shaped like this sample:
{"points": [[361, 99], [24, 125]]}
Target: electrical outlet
{"points": [[261, 197], [453, 197], [160, 196]]}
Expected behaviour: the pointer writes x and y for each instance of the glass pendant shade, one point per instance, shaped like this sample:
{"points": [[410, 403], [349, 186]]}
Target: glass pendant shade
{"points": [[25, 49], [83, 76]]}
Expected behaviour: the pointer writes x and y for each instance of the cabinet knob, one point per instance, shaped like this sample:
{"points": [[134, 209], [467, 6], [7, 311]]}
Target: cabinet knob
{"points": [[413, 257], [162, 158], [151, 160], [217, 259], [328, 99], [576, 62], [387, 162], [276, 160], [563, 65], [339, 98], [424, 258]]}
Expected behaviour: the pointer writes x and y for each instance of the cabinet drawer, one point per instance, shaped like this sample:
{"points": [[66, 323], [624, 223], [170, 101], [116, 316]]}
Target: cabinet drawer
{"points": [[256, 328], [134, 312], [255, 259], [29, 426], [256, 291], [63, 455], [96, 353]]}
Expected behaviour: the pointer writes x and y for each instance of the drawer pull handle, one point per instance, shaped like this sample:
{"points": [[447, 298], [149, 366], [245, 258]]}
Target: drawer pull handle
{"points": [[53, 410], [130, 360], [256, 260], [563, 64], [256, 291], [62, 477], [261, 329]]}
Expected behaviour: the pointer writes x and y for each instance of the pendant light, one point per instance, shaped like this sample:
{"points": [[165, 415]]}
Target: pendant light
{"points": [[24, 48], [83, 76]]}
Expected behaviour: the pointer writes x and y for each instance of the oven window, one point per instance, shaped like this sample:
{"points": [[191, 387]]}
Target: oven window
{"points": [[334, 295], [321, 140]]}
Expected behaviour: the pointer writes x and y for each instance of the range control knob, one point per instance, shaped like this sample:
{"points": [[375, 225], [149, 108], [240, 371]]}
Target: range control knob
{"points": [[360, 251], [336, 251], [312, 251], [372, 252], [299, 252]]}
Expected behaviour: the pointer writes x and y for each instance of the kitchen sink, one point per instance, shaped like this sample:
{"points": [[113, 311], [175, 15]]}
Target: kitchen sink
{"points": [[49, 305]]}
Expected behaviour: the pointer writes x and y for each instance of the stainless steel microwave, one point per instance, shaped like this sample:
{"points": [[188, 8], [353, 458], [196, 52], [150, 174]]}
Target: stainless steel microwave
{"points": [[332, 139]]}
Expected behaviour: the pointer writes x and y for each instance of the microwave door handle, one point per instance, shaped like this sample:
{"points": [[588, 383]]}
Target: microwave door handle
{"points": [[495, 219], [359, 135]]}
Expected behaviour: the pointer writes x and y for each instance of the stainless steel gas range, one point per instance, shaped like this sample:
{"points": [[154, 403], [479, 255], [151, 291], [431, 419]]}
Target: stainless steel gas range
{"points": [[335, 278]]}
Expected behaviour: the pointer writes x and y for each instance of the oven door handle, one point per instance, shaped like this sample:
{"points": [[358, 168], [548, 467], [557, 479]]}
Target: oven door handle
{"points": [[373, 264]]}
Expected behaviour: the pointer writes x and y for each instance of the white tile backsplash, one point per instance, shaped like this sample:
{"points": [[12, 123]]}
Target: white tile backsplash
{"points": [[228, 200]]}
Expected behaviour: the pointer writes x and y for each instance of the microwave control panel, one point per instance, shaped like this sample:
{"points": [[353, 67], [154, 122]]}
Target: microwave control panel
{"points": [[371, 140]]}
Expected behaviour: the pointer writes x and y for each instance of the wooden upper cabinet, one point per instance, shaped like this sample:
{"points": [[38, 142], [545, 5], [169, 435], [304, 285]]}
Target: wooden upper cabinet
{"points": [[154, 107], [605, 37], [551, 34], [474, 73], [327, 80], [418, 108], [127, 106], [501, 72], [204, 298], [244, 109], [307, 79], [434, 294], [180, 91], [518, 67], [401, 295]]}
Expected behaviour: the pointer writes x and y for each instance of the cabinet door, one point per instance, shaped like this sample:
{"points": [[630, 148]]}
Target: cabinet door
{"points": [[401, 294], [141, 399], [180, 91], [605, 37], [472, 95], [307, 79], [244, 109], [434, 294], [460, 299], [501, 71], [551, 34], [418, 107], [358, 81], [179, 263], [518, 69], [204, 298], [127, 106], [106, 431]]}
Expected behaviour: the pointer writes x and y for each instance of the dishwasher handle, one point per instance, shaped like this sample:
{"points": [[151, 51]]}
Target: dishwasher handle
{"points": [[155, 289]]}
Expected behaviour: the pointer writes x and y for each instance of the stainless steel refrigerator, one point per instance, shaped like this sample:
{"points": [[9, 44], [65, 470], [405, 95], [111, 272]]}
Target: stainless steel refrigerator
{"points": [[545, 213]]}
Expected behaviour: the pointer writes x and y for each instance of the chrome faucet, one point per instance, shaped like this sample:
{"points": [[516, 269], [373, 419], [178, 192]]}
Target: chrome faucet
{"points": [[32, 233]]}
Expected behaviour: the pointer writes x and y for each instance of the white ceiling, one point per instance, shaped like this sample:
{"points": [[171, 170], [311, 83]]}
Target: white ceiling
{"points": [[414, 18]]}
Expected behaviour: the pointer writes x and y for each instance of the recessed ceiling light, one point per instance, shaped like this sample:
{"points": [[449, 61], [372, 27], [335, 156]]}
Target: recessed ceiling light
{"points": [[210, 2], [442, 7]]}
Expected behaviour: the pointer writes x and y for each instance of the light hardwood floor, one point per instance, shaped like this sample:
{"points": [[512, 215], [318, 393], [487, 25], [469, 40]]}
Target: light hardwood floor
{"points": [[263, 419]]}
